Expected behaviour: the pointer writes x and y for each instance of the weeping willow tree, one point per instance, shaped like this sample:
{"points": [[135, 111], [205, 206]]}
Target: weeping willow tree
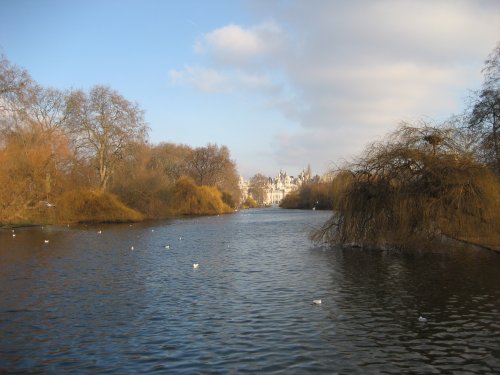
{"points": [[419, 185]]}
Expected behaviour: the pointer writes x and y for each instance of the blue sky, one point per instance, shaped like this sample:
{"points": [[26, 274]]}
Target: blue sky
{"points": [[283, 83]]}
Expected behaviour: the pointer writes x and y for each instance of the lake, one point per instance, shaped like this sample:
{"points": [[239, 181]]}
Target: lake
{"points": [[86, 302]]}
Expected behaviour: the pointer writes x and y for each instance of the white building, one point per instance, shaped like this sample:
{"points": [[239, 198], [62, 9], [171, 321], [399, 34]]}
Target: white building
{"points": [[243, 185], [278, 187]]}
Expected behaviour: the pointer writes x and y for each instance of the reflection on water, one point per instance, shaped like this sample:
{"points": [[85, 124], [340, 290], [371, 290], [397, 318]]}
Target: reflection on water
{"points": [[85, 302]]}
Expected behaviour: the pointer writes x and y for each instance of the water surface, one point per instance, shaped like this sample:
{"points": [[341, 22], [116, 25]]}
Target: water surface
{"points": [[86, 302]]}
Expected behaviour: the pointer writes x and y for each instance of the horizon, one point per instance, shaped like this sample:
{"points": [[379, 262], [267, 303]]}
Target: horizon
{"points": [[282, 84]]}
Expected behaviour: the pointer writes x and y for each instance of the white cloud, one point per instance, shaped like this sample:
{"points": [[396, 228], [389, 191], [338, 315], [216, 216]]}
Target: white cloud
{"points": [[204, 79], [348, 72], [211, 80], [236, 45]]}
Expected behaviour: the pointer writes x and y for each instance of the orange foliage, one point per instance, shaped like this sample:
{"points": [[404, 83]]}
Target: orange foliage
{"points": [[32, 165], [96, 206], [189, 199]]}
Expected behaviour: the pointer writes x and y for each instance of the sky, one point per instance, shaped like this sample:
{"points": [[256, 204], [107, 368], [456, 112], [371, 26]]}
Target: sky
{"points": [[283, 84]]}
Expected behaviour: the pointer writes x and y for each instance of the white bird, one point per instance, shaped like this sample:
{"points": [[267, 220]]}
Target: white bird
{"points": [[99, 231], [180, 238], [195, 265], [13, 235], [132, 248], [421, 319], [152, 230], [317, 301], [46, 241], [167, 246]]}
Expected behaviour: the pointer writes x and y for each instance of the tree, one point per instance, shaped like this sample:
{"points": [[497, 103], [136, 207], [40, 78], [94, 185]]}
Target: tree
{"points": [[32, 171], [47, 110], [170, 159], [15, 92], [207, 164], [35, 159], [412, 189], [485, 116], [104, 126], [212, 166], [258, 188], [14, 82]]}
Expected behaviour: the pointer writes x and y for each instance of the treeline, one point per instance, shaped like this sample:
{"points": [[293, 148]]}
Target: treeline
{"points": [[314, 194], [76, 156], [426, 183]]}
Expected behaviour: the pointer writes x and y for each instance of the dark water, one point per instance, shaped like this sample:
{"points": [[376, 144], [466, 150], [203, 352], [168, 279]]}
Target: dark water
{"points": [[85, 302]]}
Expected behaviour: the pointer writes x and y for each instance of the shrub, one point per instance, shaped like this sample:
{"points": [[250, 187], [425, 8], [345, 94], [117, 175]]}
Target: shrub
{"points": [[412, 190], [187, 198], [85, 206], [312, 194], [250, 203], [291, 200]]}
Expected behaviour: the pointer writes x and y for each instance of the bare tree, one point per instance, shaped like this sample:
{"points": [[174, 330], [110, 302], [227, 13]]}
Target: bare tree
{"points": [[13, 81], [413, 188], [104, 125], [15, 90], [47, 110], [258, 187], [170, 159], [485, 117], [208, 164]]}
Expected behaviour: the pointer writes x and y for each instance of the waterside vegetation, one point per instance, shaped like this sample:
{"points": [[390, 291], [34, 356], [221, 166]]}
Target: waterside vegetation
{"points": [[424, 183], [80, 156]]}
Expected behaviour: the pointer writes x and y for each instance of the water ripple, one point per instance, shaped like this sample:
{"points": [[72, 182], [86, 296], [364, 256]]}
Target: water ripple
{"points": [[87, 303]]}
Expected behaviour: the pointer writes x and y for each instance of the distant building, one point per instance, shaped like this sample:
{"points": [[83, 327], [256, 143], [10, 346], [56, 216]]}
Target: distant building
{"points": [[243, 185], [278, 187]]}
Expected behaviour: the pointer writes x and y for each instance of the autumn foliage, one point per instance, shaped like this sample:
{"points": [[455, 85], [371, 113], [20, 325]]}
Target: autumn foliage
{"points": [[84, 157], [418, 187], [187, 198], [84, 206], [314, 194]]}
